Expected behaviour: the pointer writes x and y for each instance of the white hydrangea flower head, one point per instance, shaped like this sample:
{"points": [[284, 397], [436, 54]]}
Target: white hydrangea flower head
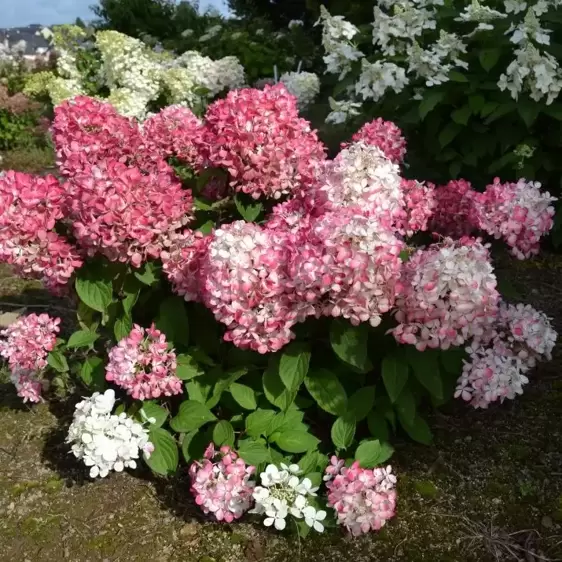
{"points": [[378, 77], [105, 441], [305, 86], [342, 111]]}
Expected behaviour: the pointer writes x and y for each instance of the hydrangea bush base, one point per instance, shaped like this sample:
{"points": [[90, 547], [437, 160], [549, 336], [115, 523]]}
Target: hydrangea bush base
{"points": [[255, 308]]}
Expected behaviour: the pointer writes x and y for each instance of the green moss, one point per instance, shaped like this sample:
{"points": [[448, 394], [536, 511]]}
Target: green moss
{"points": [[53, 485], [101, 543], [426, 489], [206, 559], [237, 538], [39, 528], [22, 487]]}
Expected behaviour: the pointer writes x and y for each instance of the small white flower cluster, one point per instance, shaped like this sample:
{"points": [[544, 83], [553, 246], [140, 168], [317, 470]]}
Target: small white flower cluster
{"points": [[305, 86], [342, 111], [283, 493], [105, 441], [295, 23]]}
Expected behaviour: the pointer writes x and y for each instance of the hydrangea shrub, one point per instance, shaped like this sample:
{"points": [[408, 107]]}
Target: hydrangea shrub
{"points": [[255, 308]]}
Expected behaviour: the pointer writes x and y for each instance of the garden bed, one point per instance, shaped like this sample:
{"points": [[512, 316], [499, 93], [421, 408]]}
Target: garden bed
{"points": [[489, 489]]}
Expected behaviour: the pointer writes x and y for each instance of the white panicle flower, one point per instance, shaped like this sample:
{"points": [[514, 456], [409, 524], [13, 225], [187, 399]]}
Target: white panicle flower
{"points": [[378, 77], [342, 111], [295, 23], [530, 29], [335, 28], [104, 441], [187, 33], [305, 86], [476, 12], [428, 64], [514, 6], [340, 57], [282, 493], [46, 33]]}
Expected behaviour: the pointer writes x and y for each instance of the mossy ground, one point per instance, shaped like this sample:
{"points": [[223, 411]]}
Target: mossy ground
{"points": [[489, 489]]}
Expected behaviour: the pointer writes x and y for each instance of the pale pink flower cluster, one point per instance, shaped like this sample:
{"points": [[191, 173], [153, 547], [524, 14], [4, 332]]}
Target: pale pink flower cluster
{"points": [[385, 135], [29, 209], [455, 210], [258, 137], [449, 295], [497, 368], [221, 484], [519, 213], [363, 499], [125, 214], [142, 364], [25, 345]]}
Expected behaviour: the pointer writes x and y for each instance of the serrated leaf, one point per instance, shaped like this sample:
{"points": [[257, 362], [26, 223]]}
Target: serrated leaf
{"points": [[418, 430], [82, 338], [394, 375], [528, 111], [476, 103], [207, 227], [152, 410], [249, 211], [223, 433], [257, 422], [461, 115], [194, 444], [187, 367], [148, 273], [425, 366], [253, 453], [131, 291], [406, 407], [57, 361], [488, 58], [293, 365], [192, 415], [273, 387], [164, 459], [92, 372], [378, 426], [373, 453], [308, 462], [122, 327], [244, 395], [361, 403], [350, 343], [294, 441], [327, 391], [455, 76], [173, 321], [452, 360], [429, 102], [449, 132], [343, 431], [95, 293]]}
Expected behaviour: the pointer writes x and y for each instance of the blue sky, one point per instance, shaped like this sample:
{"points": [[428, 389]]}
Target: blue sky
{"points": [[15, 13]]}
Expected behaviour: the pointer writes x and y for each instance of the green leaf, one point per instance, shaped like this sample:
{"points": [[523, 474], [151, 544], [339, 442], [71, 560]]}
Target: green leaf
{"points": [[343, 431], [500, 111], [273, 387], [223, 433], [294, 363], [82, 338], [198, 391], [378, 426], [87, 317], [489, 58], [57, 361], [326, 389], [131, 291], [418, 430], [122, 327], [476, 103], [92, 372], [95, 293], [406, 407], [148, 274], [257, 422], [394, 375], [187, 368], [426, 369], [224, 382], [194, 444], [361, 403], [192, 415], [253, 453], [294, 441], [455, 76], [461, 115], [201, 205], [248, 211], [207, 227], [244, 395], [164, 459], [308, 462], [429, 101], [452, 360], [528, 111], [173, 321], [350, 343], [153, 410], [554, 110], [373, 453], [446, 136]]}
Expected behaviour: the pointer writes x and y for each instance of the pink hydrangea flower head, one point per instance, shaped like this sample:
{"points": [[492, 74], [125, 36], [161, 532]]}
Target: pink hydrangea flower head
{"points": [[221, 484], [30, 206], [28, 385], [456, 209], [449, 295], [518, 213], [245, 283], [125, 214], [363, 499], [348, 265], [143, 365], [257, 136], [385, 135], [419, 199], [87, 131], [291, 216], [173, 132]]}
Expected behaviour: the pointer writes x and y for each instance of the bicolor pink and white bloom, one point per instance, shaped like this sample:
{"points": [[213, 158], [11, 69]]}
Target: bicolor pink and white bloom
{"points": [[363, 499], [221, 484], [143, 365], [449, 295], [420, 203]]}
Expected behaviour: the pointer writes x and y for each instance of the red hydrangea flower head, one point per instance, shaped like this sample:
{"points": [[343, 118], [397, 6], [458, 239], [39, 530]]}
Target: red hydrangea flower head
{"points": [[257, 136]]}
